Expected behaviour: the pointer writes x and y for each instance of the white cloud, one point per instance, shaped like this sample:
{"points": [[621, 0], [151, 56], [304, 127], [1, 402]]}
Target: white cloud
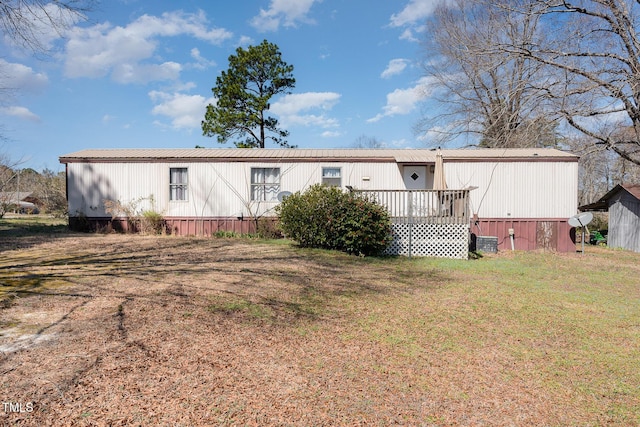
{"points": [[291, 109], [245, 41], [400, 143], [331, 134], [395, 66], [201, 62], [407, 35], [103, 49], [182, 86], [20, 77], [20, 112], [283, 12], [435, 133], [403, 101], [412, 18], [415, 11], [143, 73], [185, 111], [295, 103], [309, 120]]}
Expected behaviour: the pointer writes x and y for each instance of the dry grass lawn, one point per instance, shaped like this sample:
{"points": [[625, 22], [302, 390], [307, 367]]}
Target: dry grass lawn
{"points": [[162, 331]]}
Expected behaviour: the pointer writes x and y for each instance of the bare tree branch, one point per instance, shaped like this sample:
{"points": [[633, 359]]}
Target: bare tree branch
{"points": [[484, 91], [593, 52], [29, 22]]}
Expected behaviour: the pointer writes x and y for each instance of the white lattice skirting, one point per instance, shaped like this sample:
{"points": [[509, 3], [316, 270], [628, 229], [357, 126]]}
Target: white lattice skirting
{"points": [[438, 240]]}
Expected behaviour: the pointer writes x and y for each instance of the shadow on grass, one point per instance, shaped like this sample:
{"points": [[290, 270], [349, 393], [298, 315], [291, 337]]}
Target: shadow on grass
{"points": [[24, 231], [270, 282]]}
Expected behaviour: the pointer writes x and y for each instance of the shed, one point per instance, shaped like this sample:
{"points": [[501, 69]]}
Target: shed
{"points": [[623, 204], [200, 191]]}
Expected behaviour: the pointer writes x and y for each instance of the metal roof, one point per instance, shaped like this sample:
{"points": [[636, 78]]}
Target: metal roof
{"points": [[602, 204], [14, 196], [310, 155]]}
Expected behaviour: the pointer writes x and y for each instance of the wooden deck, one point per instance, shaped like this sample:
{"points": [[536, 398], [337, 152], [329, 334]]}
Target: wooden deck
{"points": [[426, 222]]}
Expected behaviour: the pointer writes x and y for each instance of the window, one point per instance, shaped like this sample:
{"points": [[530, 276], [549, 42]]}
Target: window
{"points": [[178, 184], [265, 184], [331, 177]]}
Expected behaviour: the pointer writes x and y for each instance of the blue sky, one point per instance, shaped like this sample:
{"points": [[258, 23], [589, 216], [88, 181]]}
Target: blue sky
{"points": [[139, 73]]}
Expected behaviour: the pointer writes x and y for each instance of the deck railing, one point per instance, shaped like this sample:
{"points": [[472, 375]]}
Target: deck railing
{"points": [[423, 206]]}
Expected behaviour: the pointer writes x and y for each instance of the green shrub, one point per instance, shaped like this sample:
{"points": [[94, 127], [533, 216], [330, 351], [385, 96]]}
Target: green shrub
{"points": [[152, 222], [327, 217]]}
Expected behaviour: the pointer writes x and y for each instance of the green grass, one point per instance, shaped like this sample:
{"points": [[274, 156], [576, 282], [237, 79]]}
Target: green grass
{"points": [[26, 225], [243, 306], [575, 329]]}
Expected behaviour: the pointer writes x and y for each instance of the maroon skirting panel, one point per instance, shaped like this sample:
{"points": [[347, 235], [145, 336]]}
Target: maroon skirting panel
{"points": [[180, 226], [529, 234], [551, 234]]}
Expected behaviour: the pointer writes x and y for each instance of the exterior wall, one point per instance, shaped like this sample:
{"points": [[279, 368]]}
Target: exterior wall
{"points": [[505, 190], [624, 222], [214, 189], [521, 189]]}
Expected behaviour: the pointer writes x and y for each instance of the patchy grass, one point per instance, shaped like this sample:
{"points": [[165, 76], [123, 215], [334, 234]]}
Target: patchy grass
{"points": [[24, 225], [131, 330]]}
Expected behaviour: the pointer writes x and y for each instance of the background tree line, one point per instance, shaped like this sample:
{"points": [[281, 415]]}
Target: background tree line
{"points": [[48, 188]]}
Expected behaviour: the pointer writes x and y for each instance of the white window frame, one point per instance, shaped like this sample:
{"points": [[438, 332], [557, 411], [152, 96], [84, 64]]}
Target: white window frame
{"points": [[179, 191], [331, 180], [265, 186]]}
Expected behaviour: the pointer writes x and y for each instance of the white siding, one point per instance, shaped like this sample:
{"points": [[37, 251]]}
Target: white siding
{"points": [[214, 189], [222, 189], [517, 189]]}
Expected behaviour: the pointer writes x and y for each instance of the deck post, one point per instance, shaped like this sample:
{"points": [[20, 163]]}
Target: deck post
{"points": [[410, 217]]}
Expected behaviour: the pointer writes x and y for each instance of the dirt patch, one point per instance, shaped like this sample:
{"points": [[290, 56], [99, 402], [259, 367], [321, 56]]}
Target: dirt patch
{"points": [[197, 332], [164, 331]]}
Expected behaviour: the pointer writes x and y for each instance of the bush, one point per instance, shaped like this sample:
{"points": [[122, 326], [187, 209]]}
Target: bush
{"points": [[146, 221], [267, 228], [327, 217], [152, 222]]}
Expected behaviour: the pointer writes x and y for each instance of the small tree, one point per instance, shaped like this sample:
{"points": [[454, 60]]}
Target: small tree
{"points": [[242, 95], [51, 189], [326, 217], [364, 141]]}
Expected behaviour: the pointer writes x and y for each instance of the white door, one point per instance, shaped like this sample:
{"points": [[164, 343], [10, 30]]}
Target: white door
{"points": [[415, 177]]}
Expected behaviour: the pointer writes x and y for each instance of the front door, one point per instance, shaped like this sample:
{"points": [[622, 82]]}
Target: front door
{"points": [[415, 177]]}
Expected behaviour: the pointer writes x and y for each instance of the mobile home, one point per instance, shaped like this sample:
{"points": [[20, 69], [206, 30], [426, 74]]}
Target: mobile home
{"points": [[523, 197]]}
